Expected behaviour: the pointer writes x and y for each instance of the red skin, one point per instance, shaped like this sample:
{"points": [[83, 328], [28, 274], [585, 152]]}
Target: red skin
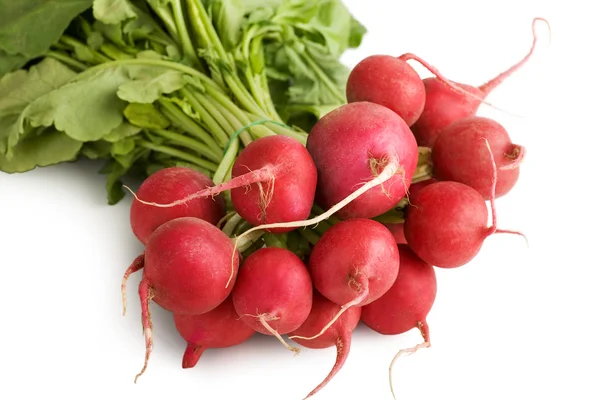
{"points": [[168, 185], [443, 105], [218, 328], [348, 143], [398, 229], [408, 301], [294, 184], [188, 263], [275, 283], [446, 224], [353, 257], [460, 155], [339, 334], [390, 82]]}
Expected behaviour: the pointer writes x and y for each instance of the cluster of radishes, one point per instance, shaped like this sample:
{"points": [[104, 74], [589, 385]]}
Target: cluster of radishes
{"points": [[361, 161]]}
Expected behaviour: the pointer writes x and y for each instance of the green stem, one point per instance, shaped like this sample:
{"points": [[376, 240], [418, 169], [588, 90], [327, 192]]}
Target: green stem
{"points": [[221, 136], [282, 129], [114, 52], [100, 58], [202, 39], [244, 136], [227, 162], [212, 35], [180, 119], [214, 112], [309, 235], [185, 141], [208, 165], [166, 17], [184, 36], [231, 223], [239, 91], [64, 58]]}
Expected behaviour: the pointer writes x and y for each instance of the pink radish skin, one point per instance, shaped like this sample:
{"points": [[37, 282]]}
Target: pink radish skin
{"points": [[447, 224], [397, 229], [218, 328], [460, 155], [390, 82], [406, 305], [273, 181], [168, 185], [444, 105], [273, 292], [186, 265], [353, 264], [408, 301], [338, 335], [353, 144]]}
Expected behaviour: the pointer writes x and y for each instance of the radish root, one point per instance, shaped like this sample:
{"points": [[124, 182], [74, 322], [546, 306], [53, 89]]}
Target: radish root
{"points": [[135, 266], [494, 228], [146, 296], [424, 329], [263, 320], [264, 174], [359, 299]]}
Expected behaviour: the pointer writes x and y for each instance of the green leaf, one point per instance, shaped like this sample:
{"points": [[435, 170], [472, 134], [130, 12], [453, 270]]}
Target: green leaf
{"points": [[29, 28], [19, 89], [149, 84], [146, 116], [48, 148], [123, 147], [113, 11], [96, 150], [121, 132], [85, 109], [116, 169], [95, 40]]}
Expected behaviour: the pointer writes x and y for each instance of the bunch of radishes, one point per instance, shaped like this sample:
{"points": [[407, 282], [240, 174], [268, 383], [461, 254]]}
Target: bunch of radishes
{"points": [[361, 166]]}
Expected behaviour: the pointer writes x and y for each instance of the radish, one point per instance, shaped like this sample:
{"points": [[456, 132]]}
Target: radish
{"points": [[168, 185], [446, 224], [444, 104], [186, 265], [218, 328], [273, 180], [460, 155], [338, 335], [273, 292], [353, 264], [390, 82], [406, 305]]}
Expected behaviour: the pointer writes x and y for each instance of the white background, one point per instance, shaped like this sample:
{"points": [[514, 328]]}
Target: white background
{"points": [[515, 323]]}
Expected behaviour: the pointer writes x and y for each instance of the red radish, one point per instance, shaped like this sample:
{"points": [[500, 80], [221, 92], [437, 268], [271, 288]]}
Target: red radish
{"points": [[444, 104], [186, 263], [446, 224], [274, 180], [353, 264], [406, 305], [338, 335], [390, 82], [168, 185], [397, 229], [460, 155], [365, 156], [218, 328], [273, 292]]}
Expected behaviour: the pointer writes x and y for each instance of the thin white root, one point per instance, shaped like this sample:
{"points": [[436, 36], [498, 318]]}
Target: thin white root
{"points": [[273, 332], [359, 299], [401, 352]]}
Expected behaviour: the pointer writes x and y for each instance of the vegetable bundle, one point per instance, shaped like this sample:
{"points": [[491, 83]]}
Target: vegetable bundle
{"points": [[281, 194]]}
